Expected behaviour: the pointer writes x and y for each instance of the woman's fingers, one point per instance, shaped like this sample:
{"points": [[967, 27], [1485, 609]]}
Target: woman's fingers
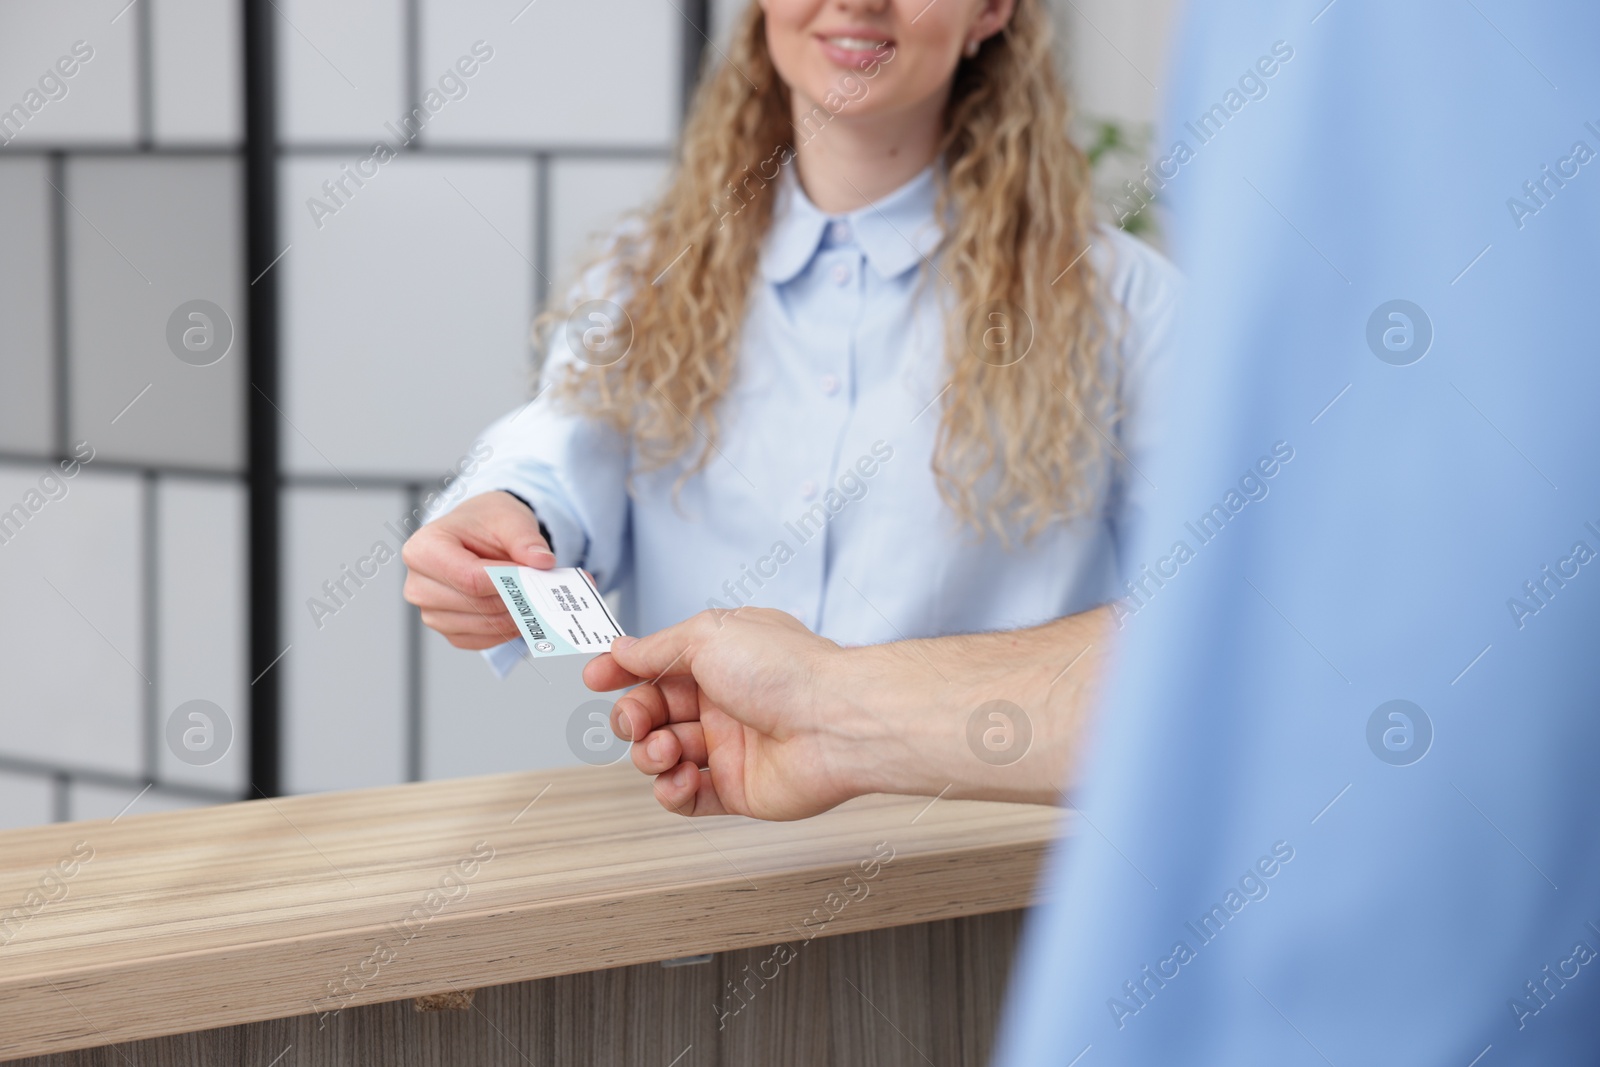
{"points": [[501, 526], [471, 624], [430, 594], [440, 555], [486, 530]]}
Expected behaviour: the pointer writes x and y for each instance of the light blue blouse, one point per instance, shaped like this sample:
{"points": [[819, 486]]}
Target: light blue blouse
{"points": [[821, 500]]}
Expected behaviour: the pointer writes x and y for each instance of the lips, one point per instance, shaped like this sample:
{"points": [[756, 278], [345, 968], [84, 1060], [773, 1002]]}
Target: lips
{"points": [[857, 50], [858, 44]]}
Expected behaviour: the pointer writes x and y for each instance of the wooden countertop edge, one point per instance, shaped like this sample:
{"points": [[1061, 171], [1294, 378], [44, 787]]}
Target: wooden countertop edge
{"points": [[201, 990]]}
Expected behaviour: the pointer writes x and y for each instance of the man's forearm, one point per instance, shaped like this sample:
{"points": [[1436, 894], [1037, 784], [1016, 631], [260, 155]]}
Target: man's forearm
{"points": [[986, 716]]}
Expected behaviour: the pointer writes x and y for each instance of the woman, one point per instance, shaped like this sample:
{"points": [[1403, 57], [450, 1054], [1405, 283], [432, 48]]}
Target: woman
{"points": [[869, 360]]}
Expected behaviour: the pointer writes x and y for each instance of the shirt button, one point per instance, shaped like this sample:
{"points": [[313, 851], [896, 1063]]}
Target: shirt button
{"points": [[841, 275], [839, 230], [830, 384], [808, 488]]}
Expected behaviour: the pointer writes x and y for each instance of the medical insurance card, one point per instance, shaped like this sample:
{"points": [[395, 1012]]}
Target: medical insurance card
{"points": [[558, 611]]}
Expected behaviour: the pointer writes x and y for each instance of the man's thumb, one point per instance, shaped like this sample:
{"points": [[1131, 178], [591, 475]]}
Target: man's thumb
{"points": [[669, 651]]}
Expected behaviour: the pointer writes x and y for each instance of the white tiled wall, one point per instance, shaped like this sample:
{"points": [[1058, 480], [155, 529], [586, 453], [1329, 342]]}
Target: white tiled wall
{"points": [[1116, 55], [603, 72], [405, 316], [345, 675], [100, 104], [196, 59], [341, 69], [144, 236], [72, 640], [476, 724], [201, 575], [92, 801], [25, 800], [27, 382], [590, 194], [404, 330]]}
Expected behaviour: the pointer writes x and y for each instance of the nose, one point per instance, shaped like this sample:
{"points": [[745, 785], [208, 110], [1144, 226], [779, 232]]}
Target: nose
{"points": [[862, 7]]}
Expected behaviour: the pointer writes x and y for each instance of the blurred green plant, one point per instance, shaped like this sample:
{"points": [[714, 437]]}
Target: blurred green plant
{"points": [[1108, 137], [1115, 150]]}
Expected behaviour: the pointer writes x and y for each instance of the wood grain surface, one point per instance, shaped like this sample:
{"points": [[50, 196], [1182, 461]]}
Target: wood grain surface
{"points": [[150, 925], [922, 999]]}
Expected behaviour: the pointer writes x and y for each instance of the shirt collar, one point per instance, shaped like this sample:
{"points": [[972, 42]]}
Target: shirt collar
{"points": [[896, 233]]}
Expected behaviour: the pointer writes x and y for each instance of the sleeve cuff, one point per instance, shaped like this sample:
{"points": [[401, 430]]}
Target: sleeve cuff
{"points": [[502, 658]]}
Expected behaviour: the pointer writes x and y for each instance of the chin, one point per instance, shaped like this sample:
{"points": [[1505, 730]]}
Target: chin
{"points": [[847, 93]]}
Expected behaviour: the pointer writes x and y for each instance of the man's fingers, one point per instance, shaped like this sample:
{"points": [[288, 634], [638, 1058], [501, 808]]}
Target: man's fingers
{"points": [[659, 753], [664, 749], [648, 707], [665, 652], [683, 697], [687, 791], [637, 712], [603, 674]]}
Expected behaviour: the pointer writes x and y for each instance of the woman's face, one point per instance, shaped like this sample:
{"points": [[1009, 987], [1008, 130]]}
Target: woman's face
{"points": [[875, 57]]}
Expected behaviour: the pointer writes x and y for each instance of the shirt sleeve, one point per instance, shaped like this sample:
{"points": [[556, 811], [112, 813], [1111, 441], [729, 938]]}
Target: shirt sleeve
{"points": [[572, 469]]}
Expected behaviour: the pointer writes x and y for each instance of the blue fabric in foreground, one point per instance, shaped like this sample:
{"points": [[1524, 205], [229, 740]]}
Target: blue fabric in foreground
{"points": [[1343, 803]]}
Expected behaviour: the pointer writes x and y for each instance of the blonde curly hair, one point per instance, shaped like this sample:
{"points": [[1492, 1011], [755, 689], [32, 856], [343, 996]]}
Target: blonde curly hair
{"points": [[1020, 444]]}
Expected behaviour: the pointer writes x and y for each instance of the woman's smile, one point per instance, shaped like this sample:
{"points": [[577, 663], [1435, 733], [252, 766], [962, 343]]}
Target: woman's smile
{"points": [[856, 50]]}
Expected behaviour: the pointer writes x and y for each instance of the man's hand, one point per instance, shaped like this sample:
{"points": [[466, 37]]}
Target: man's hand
{"points": [[735, 693], [447, 556], [749, 713]]}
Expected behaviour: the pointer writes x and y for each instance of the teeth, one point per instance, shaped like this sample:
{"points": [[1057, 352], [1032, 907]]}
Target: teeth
{"points": [[859, 44]]}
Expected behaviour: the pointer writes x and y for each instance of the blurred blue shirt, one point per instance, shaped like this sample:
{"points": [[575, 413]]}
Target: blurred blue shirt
{"points": [[820, 499], [1344, 806]]}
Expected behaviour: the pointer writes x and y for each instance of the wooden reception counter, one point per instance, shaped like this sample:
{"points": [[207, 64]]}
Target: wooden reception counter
{"points": [[595, 928]]}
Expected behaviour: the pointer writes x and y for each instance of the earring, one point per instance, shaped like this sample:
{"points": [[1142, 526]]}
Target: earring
{"points": [[972, 47]]}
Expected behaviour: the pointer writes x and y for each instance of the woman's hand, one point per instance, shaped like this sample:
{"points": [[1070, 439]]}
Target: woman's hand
{"points": [[446, 559], [778, 759]]}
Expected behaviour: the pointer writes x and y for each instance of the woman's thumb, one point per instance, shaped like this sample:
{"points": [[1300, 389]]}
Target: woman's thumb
{"points": [[518, 532], [533, 553]]}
